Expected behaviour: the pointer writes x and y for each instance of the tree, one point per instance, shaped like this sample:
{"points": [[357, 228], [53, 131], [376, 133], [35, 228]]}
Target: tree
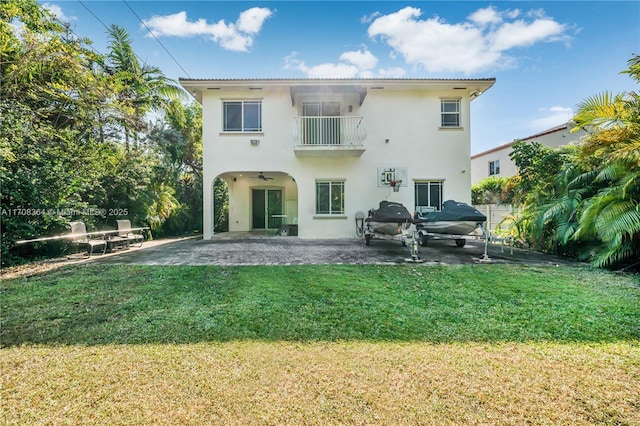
{"points": [[539, 184], [139, 88], [584, 201], [493, 190], [611, 218], [50, 163], [62, 111]]}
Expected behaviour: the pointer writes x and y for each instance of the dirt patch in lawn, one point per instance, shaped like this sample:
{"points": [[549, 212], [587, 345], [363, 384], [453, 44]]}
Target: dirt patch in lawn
{"points": [[241, 383]]}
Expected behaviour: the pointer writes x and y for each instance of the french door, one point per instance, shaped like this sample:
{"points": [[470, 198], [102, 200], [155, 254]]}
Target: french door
{"points": [[322, 123], [267, 208]]}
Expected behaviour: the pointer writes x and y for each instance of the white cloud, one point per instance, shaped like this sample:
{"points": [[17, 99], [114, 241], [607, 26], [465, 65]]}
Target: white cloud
{"points": [[236, 36], [512, 14], [395, 72], [332, 70], [362, 59], [352, 64], [551, 117], [520, 33], [251, 20], [57, 11], [479, 43], [368, 18], [486, 16], [326, 70]]}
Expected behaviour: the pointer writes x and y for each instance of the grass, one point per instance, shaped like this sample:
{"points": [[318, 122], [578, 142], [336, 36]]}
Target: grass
{"points": [[481, 344], [138, 304]]}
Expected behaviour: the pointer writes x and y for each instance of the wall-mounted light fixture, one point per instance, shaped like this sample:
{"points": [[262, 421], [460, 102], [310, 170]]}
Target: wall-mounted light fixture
{"points": [[350, 108], [255, 142], [386, 141]]}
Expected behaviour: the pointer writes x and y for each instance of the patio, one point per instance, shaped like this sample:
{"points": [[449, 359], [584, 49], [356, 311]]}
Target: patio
{"points": [[258, 248]]}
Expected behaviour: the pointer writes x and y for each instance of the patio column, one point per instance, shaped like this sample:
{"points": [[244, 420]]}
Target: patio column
{"points": [[207, 210]]}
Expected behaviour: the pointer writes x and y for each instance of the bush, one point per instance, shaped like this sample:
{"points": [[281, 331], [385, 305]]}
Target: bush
{"points": [[493, 190]]}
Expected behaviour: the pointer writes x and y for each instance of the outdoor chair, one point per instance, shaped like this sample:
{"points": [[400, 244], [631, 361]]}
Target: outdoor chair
{"points": [[82, 239], [125, 233]]}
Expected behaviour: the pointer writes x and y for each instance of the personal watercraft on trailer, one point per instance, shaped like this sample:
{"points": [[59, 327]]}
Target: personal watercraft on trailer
{"points": [[389, 219], [455, 220]]}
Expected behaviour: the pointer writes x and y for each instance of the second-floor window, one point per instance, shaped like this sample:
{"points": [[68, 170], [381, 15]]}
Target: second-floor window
{"points": [[494, 167], [242, 116], [450, 112]]}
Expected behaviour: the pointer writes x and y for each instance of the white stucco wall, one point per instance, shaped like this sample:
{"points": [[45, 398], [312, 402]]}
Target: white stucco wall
{"points": [[409, 120]]}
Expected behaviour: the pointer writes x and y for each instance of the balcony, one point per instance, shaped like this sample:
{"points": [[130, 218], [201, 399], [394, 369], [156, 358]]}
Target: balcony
{"points": [[329, 136]]}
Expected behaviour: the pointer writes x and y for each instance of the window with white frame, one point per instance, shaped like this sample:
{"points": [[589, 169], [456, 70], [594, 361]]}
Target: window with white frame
{"points": [[428, 195], [330, 197], [242, 116], [494, 167], [450, 112]]}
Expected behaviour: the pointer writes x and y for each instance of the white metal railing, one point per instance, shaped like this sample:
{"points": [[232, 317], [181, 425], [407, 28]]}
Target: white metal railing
{"points": [[329, 131]]}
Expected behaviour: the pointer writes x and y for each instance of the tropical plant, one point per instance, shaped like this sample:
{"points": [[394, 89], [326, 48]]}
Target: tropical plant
{"points": [[67, 119], [585, 200], [50, 163], [493, 190], [138, 88], [611, 218]]}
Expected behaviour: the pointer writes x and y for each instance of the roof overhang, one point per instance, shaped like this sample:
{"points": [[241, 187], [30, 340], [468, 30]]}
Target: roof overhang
{"points": [[466, 87]]}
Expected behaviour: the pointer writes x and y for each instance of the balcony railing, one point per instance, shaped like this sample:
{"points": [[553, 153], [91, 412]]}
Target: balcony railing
{"points": [[329, 134]]}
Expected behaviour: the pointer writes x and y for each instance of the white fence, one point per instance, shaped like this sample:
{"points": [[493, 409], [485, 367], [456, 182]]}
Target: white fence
{"points": [[495, 214]]}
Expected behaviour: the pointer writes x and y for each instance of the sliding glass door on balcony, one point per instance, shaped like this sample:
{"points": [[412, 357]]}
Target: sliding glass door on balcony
{"points": [[321, 123]]}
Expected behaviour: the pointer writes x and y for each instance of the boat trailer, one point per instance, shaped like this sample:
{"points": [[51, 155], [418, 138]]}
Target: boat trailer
{"points": [[405, 232]]}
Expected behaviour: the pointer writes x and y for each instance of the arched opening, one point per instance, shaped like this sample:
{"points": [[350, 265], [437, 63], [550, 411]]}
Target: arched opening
{"points": [[250, 201], [220, 205]]}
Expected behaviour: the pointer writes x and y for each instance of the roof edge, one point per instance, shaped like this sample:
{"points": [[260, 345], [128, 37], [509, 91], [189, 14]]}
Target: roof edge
{"points": [[537, 135], [332, 80]]}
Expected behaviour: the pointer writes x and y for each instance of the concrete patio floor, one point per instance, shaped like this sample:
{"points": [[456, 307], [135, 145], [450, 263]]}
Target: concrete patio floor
{"points": [[235, 249]]}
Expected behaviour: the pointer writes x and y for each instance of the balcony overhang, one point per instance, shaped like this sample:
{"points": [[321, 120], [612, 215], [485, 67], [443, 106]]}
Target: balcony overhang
{"points": [[328, 150], [359, 91]]}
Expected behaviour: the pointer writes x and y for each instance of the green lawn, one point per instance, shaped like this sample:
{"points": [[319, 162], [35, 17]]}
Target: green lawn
{"points": [[321, 345], [137, 304]]}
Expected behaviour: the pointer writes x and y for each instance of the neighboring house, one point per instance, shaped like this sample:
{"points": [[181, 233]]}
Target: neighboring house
{"points": [[496, 161], [313, 152]]}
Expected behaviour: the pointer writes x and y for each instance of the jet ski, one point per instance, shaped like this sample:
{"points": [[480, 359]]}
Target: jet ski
{"points": [[455, 218]]}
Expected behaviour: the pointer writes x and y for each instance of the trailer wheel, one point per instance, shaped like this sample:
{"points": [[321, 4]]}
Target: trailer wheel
{"points": [[422, 239], [367, 239], [461, 242]]}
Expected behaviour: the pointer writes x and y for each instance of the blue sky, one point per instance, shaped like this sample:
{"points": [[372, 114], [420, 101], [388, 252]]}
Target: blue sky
{"points": [[546, 56]]}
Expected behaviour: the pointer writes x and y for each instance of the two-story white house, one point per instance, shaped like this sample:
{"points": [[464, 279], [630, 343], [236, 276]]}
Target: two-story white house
{"points": [[313, 152], [496, 161]]}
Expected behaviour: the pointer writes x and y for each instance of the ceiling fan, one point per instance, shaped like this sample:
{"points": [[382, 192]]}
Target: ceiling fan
{"points": [[263, 177]]}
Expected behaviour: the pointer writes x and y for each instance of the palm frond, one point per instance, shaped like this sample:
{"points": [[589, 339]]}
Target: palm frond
{"points": [[614, 253], [601, 112], [610, 173], [630, 184], [619, 218]]}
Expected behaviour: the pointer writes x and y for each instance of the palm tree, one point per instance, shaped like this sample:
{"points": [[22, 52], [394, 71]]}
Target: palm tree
{"points": [[612, 150], [139, 88], [591, 202]]}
